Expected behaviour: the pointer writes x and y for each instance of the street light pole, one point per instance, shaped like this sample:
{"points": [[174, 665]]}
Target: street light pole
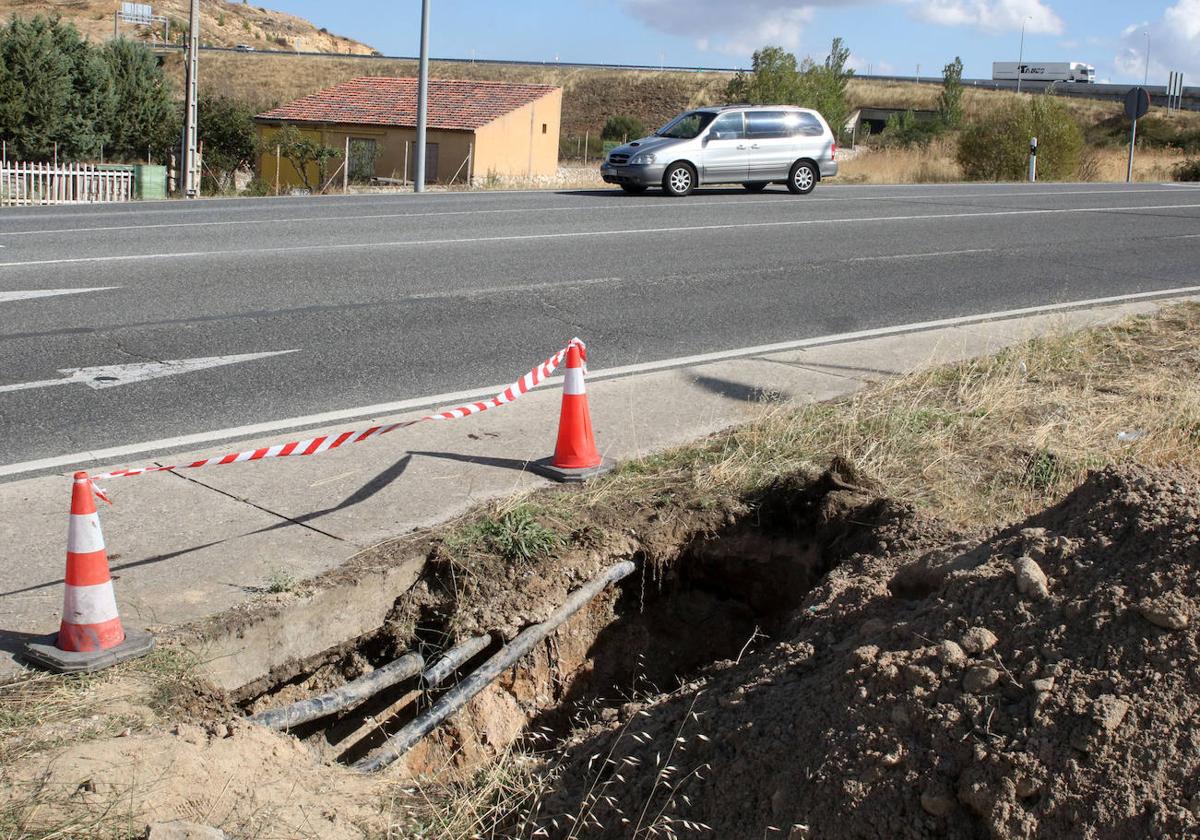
{"points": [[1146, 77], [422, 99], [1021, 55]]}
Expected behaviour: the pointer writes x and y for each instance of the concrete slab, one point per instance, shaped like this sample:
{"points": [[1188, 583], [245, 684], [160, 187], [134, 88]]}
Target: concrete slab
{"points": [[191, 545]]}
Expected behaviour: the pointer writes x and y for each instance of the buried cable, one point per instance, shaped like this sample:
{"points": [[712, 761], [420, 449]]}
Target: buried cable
{"points": [[437, 673], [347, 696], [502, 660]]}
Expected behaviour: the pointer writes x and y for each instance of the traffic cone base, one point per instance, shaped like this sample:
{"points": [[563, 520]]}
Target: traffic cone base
{"points": [[546, 467], [45, 652], [90, 636]]}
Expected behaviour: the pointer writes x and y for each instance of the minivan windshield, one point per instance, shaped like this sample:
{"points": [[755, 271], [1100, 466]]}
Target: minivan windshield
{"points": [[687, 126]]}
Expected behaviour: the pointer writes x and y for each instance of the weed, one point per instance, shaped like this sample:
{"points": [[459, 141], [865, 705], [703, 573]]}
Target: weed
{"points": [[281, 580], [514, 535]]}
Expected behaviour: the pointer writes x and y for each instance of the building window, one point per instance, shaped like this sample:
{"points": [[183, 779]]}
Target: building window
{"points": [[543, 128]]}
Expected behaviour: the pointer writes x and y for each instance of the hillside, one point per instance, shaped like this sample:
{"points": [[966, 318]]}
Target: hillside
{"points": [[222, 24], [590, 95]]}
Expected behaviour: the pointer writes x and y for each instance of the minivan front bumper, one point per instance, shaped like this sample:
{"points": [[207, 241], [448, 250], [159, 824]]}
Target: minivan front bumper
{"points": [[643, 175]]}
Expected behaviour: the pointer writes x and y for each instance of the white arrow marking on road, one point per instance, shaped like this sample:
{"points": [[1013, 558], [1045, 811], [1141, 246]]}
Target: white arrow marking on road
{"points": [[5, 297], [110, 376]]}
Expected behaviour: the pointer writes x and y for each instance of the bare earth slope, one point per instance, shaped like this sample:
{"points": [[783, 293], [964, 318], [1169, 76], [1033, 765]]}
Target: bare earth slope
{"points": [[1041, 683], [222, 24]]}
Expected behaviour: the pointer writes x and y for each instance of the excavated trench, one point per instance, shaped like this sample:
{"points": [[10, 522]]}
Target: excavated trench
{"points": [[714, 596]]}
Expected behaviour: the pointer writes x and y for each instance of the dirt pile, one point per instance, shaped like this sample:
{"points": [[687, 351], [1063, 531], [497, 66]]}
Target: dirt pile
{"points": [[1043, 682]]}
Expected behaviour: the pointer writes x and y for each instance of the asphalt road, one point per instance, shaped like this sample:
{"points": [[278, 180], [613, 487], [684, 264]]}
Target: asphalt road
{"points": [[387, 298]]}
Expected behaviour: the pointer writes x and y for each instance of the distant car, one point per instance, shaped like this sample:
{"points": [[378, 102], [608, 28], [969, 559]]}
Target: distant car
{"points": [[244, 48], [733, 144]]}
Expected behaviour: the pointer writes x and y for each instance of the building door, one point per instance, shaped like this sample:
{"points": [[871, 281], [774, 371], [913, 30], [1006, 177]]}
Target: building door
{"points": [[431, 163]]}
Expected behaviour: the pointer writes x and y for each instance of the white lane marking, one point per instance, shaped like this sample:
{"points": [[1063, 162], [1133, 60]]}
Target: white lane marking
{"points": [[111, 376], [591, 208], [394, 408], [919, 256], [529, 237], [499, 290], [6, 297]]}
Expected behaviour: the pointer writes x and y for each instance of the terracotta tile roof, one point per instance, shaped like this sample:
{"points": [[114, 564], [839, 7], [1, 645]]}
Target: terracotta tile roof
{"points": [[376, 100]]}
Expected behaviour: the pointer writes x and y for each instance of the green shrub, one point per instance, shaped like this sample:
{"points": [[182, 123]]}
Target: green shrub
{"points": [[996, 148], [1189, 170], [622, 128], [905, 130], [258, 187]]}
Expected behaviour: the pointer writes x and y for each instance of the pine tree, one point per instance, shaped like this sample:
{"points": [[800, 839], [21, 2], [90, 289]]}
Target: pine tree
{"points": [[145, 119], [36, 89]]}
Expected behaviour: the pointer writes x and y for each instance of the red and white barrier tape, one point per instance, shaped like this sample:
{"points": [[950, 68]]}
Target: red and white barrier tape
{"points": [[315, 446]]}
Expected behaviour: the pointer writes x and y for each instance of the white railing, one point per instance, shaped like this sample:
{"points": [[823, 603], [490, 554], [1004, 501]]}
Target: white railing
{"points": [[68, 183]]}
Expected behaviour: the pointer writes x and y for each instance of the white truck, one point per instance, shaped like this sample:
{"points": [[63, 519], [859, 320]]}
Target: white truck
{"points": [[1043, 71]]}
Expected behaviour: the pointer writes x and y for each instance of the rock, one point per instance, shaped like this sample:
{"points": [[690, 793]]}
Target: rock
{"points": [[978, 640], [179, 830], [1108, 711], [937, 802], [189, 733], [951, 654], [1033, 533], [1042, 685], [1164, 615], [980, 678], [1031, 580]]}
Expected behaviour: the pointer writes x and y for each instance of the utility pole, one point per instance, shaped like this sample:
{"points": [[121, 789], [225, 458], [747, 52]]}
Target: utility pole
{"points": [[1021, 54], [191, 157], [422, 98]]}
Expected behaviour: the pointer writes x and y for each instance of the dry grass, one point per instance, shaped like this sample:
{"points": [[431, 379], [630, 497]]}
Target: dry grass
{"points": [[985, 441], [936, 164]]}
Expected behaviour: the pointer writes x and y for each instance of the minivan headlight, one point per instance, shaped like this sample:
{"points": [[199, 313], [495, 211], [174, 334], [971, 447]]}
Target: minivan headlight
{"points": [[643, 159]]}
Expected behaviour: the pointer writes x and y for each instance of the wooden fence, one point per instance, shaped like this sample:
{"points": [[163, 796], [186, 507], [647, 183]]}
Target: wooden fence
{"points": [[69, 183]]}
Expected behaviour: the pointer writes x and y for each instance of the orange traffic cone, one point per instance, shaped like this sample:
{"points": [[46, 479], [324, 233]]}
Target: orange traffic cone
{"points": [[575, 455], [90, 636]]}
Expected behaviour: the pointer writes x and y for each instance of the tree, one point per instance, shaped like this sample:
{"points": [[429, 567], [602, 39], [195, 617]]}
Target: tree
{"points": [[230, 141], [996, 148], [304, 153], [145, 120], [54, 95], [950, 107], [827, 85], [773, 79], [622, 128], [776, 79]]}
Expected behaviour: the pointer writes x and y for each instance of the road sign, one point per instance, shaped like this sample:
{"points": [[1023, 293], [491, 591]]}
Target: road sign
{"points": [[1137, 103], [137, 13]]}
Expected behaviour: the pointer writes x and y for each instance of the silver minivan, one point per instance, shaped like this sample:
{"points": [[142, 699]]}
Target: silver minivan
{"points": [[732, 144]]}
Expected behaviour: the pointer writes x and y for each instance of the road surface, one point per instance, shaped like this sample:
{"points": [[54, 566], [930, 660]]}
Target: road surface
{"points": [[280, 308]]}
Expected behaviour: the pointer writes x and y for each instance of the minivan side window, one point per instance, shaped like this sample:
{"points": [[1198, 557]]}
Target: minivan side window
{"points": [[727, 127], [762, 125], [808, 126]]}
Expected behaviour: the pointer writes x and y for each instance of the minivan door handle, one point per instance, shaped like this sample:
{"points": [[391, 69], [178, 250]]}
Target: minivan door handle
{"points": [[755, 146], [742, 147]]}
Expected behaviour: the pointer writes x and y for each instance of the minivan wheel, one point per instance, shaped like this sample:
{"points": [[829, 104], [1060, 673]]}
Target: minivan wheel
{"points": [[803, 178], [679, 179], [755, 186], [634, 189]]}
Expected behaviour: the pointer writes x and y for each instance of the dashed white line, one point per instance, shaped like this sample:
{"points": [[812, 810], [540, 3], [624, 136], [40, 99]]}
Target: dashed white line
{"points": [[395, 408], [6, 297], [581, 234], [919, 256]]}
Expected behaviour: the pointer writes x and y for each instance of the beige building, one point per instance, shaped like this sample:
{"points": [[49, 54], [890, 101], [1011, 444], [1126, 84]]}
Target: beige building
{"points": [[475, 130]]}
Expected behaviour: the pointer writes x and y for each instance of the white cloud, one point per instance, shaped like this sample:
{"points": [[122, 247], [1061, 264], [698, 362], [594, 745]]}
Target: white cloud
{"points": [[990, 15], [733, 28], [1174, 45]]}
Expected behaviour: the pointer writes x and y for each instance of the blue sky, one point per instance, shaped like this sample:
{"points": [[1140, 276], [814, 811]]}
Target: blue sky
{"points": [[885, 36]]}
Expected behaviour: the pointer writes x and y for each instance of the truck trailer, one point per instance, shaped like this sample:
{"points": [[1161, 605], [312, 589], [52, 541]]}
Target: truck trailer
{"points": [[1043, 71]]}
